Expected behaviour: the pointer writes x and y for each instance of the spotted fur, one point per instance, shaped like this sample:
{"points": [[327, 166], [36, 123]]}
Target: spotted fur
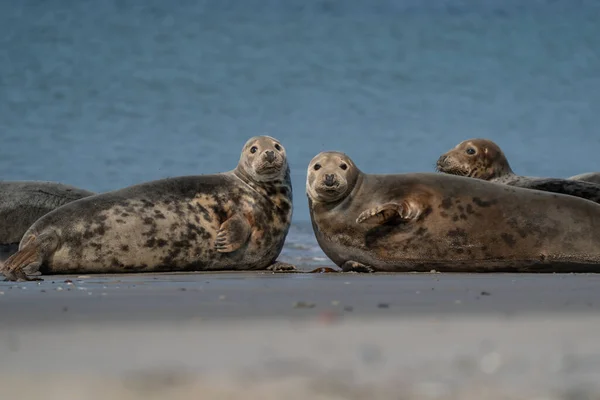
{"points": [[171, 224], [24, 202], [592, 177]]}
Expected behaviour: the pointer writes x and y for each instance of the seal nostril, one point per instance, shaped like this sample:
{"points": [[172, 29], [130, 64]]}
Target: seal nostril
{"points": [[329, 179], [270, 155]]}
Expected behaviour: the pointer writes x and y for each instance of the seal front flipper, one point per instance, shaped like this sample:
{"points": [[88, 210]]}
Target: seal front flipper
{"points": [[282, 267], [380, 215], [353, 266], [232, 234], [31, 256]]}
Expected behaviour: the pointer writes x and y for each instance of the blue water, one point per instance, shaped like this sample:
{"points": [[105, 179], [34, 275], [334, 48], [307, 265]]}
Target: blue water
{"points": [[105, 94]]}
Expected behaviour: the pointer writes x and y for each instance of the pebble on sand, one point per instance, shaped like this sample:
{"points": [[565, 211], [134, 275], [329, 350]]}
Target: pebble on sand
{"points": [[302, 304]]}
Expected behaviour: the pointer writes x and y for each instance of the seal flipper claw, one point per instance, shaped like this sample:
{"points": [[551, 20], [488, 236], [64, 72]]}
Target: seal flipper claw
{"points": [[232, 234], [30, 257], [353, 266], [388, 211], [282, 267]]}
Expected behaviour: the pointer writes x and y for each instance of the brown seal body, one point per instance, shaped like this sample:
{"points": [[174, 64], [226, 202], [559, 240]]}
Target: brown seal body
{"points": [[24, 202], [483, 159], [592, 177], [424, 221], [237, 220]]}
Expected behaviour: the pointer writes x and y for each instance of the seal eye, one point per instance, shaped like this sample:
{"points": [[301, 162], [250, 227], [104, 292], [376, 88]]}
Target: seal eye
{"points": [[344, 167], [253, 149], [317, 167], [277, 147], [470, 151]]}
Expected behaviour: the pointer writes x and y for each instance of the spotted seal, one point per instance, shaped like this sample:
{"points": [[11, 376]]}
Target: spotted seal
{"points": [[483, 159], [24, 202], [423, 221], [236, 220], [593, 177]]}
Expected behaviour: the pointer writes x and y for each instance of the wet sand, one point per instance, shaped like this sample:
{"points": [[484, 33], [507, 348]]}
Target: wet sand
{"points": [[304, 336]]}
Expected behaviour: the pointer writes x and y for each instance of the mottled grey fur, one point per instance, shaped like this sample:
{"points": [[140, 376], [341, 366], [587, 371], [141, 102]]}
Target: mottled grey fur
{"points": [[24, 202], [237, 220], [424, 221], [592, 177]]}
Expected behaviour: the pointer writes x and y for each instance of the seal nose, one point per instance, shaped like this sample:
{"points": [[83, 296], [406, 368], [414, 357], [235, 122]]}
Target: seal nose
{"points": [[329, 180], [442, 160], [270, 156]]}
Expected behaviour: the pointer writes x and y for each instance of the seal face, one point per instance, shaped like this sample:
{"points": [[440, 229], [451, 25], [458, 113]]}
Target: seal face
{"points": [[483, 159], [424, 221], [237, 220], [476, 158], [24, 202]]}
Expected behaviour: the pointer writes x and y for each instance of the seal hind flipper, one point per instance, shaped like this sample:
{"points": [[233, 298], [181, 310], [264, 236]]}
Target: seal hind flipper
{"points": [[232, 234], [33, 252], [386, 212], [353, 266]]}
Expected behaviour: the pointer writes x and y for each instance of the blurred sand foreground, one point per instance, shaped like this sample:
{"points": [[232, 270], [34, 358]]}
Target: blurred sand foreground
{"points": [[406, 357]]}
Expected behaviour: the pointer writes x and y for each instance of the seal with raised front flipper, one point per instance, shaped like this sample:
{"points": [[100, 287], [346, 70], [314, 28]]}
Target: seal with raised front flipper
{"points": [[592, 177], [483, 159], [237, 220], [423, 221], [24, 202]]}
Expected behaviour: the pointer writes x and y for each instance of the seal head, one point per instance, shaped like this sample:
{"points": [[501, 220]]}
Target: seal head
{"points": [[263, 159], [475, 158], [331, 177]]}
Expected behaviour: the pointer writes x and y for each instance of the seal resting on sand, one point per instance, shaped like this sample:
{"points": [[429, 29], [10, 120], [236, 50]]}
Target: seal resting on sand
{"points": [[423, 221], [24, 202], [483, 159], [592, 177], [237, 220]]}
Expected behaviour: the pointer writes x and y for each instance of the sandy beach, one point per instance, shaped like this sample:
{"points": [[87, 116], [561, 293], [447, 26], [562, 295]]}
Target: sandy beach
{"points": [[300, 336]]}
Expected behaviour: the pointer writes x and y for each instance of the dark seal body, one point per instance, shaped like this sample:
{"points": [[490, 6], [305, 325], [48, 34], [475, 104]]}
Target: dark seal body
{"points": [[424, 221], [483, 159], [592, 177], [226, 221], [24, 202]]}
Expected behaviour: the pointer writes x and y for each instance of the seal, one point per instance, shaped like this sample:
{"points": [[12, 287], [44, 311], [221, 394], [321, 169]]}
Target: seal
{"points": [[483, 159], [423, 221], [592, 177], [24, 202], [236, 220]]}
